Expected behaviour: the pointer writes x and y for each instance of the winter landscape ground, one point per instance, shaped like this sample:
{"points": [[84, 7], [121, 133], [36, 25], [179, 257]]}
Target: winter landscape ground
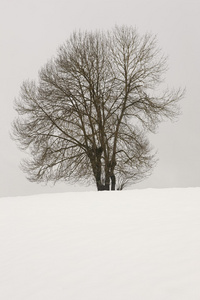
{"points": [[140, 244]]}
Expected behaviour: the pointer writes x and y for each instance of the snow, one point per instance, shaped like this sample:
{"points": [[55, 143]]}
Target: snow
{"points": [[140, 244]]}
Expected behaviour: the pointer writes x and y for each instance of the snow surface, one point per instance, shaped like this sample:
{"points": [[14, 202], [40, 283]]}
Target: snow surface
{"points": [[137, 245]]}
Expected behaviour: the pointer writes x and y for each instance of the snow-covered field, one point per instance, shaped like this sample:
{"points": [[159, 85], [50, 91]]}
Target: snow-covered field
{"points": [[130, 245]]}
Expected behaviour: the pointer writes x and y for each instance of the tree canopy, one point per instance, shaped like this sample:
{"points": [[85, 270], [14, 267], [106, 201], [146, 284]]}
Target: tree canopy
{"points": [[88, 114]]}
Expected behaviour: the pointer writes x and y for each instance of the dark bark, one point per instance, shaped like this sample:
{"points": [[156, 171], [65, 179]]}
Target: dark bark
{"points": [[102, 187], [107, 180], [95, 158], [113, 182]]}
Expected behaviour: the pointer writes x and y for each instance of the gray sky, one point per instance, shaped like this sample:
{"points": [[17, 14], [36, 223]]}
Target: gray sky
{"points": [[31, 32]]}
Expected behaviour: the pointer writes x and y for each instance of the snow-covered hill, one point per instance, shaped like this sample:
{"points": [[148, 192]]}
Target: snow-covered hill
{"points": [[130, 245]]}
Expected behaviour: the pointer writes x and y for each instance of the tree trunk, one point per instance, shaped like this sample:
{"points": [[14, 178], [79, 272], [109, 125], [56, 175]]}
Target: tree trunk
{"points": [[113, 182], [98, 179], [107, 182], [101, 186]]}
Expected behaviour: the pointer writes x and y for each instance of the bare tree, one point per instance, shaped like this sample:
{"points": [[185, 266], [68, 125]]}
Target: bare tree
{"points": [[88, 115]]}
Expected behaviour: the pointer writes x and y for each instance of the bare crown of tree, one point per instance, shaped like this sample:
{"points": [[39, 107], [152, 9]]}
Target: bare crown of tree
{"points": [[88, 115]]}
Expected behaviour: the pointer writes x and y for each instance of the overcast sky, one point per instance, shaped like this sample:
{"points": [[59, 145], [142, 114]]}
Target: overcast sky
{"points": [[31, 32]]}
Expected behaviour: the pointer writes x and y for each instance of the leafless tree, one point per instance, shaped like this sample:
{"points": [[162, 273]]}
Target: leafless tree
{"points": [[88, 115]]}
